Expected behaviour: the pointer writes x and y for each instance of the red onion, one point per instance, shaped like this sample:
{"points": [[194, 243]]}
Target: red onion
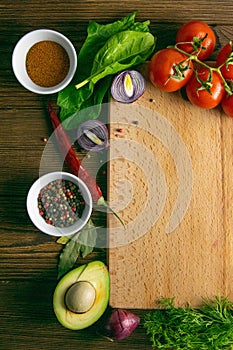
{"points": [[92, 135], [121, 324], [128, 86]]}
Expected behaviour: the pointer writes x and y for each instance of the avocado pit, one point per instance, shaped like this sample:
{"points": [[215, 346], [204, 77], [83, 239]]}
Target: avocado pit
{"points": [[80, 297]]}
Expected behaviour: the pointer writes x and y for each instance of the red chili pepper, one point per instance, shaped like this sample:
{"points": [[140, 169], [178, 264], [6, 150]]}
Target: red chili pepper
{"points": [[71, 158], [75, 164]]}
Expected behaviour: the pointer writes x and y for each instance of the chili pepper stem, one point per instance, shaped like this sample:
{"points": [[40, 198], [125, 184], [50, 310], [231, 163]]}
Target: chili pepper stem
{"points": [[101, 202]]}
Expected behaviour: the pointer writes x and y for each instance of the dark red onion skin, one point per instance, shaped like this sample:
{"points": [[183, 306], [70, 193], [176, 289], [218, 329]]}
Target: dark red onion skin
{"points": [[121, 324]]}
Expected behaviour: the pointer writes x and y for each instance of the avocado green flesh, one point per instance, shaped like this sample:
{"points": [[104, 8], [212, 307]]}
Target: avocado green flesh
{"points": [[95, 273]]}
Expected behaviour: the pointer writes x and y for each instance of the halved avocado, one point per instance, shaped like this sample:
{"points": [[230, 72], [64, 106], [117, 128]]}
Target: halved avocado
{"points": [[81, 296]]}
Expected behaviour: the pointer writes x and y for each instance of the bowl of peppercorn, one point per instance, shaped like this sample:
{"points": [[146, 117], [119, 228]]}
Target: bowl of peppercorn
{"points": [[59, 204], [44, 61]]}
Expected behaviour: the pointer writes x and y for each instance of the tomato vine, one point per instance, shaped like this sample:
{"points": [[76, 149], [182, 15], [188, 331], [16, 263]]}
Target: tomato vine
{"points": [[194, 57], [182, 65]]}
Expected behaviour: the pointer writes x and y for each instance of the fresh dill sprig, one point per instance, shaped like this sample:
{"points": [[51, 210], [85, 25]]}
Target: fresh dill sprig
{"points": [[209, 327]]}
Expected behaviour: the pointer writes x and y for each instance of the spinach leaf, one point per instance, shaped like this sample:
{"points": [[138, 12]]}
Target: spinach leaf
{"points": [[121, 51], [108, 49], [97, 35], [91, 108]]}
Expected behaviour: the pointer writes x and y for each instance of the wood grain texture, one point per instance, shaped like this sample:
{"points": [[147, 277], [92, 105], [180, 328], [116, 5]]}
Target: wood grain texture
{"points": [[28, 259], [193, 259]]}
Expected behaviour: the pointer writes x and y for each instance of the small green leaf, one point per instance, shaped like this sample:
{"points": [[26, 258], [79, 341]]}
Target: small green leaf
{"points": [[87, 239], [63, 239], [68, 257], [82, 243]]}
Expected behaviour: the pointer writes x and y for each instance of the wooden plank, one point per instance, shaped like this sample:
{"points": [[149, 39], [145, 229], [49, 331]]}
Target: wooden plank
{"points": [[29, 258], [186, 186], [182, 12]]}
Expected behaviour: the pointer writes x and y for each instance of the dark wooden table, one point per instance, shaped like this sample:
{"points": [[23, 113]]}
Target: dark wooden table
{"points": [[28, 258]]}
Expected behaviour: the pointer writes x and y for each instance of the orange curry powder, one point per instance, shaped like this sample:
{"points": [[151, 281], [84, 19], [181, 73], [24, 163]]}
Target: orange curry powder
{"points": [[47, 63]]}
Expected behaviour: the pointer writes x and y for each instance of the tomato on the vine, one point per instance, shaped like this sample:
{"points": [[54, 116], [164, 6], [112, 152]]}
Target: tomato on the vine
{"points": [[225, 57], [205, 89], [170, 70], [202, 37], [227, 105]]}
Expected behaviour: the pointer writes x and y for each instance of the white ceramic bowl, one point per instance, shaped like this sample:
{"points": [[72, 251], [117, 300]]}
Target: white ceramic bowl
{"points": [[20, 53], [38, 220]]}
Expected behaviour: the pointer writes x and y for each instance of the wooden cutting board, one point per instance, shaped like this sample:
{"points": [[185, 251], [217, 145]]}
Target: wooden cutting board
{"points": [[171, 180]]}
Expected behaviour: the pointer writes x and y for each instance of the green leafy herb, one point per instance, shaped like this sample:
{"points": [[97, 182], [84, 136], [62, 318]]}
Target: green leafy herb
{"points": [[82, 243], [107, 50], [121, 51], [208, 328]]}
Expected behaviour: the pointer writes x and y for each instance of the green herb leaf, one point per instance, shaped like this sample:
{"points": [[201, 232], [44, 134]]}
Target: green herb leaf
{"points": [[89, 109], [95, 65], [121, 51], [63, 239], [87, 239], [82, 243], [68, 257], [209, 327], [97, 35]]}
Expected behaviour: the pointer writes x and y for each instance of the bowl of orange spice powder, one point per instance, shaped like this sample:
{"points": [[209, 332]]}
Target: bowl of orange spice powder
{"points": [[44, 61]]}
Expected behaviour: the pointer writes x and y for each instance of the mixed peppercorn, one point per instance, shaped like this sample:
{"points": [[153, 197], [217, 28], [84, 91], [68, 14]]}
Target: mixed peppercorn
{"points": [[61, 203]]}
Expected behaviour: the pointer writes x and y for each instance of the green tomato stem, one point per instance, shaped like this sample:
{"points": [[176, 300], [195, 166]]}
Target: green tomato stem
{"points": [[194, 57]]}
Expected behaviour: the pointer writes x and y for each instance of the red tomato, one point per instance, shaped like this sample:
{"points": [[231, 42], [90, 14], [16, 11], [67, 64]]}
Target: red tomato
{"points": [[202, 97], [163, 68], [224, 54], [200, 30], [227, 105]]}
